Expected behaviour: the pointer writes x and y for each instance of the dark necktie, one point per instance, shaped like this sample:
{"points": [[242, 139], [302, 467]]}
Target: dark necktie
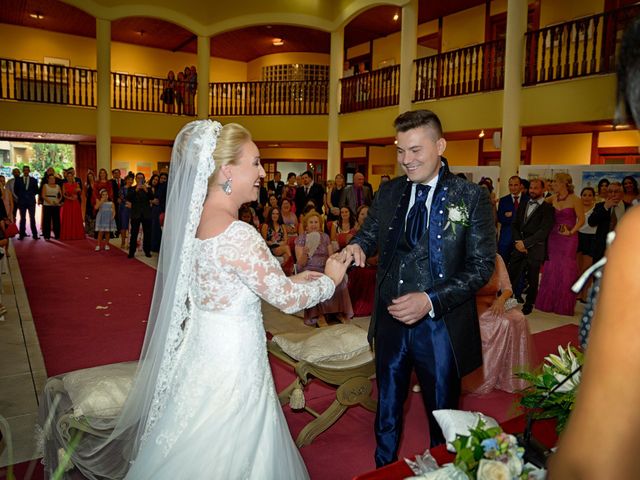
{"points": [[516, 202], [417, 217], [531, 207], [358, 197]]}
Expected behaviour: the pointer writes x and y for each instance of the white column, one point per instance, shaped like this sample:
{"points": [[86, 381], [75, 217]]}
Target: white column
{"points": [[335, 73], [103, 111], [514, 54], [408, 51], [204, 56]]}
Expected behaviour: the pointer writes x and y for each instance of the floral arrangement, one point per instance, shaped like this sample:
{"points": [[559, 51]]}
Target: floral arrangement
{"points": [[551, 394], [458, 214]]}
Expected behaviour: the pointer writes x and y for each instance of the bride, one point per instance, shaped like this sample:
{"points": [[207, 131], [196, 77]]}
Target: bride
{"points": [[203, 403]]}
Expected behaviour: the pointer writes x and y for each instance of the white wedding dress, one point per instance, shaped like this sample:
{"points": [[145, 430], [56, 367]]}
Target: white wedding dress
{"points": [[222, 419]]}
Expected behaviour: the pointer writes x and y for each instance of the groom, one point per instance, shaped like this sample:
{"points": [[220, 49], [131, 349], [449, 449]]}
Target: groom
{"points": [[436, 239]]}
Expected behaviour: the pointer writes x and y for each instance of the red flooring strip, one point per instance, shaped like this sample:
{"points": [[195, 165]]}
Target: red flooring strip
{"points": [[66, 281]]}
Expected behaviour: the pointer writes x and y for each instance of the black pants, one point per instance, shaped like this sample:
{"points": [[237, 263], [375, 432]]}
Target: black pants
{"points": [[32, 220], [50, 215], [146, 235], [517, 265]]}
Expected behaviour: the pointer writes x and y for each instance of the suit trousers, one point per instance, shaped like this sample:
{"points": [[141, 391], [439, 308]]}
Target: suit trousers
{"points": [[32, 220], [399, 349], [520, 262], [146, 235], [50, 215]]}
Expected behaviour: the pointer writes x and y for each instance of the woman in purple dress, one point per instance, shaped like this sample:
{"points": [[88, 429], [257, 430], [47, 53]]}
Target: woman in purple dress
{"points": [[560, 271]]}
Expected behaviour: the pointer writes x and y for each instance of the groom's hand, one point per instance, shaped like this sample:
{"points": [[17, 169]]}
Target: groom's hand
{"points": [[410, 308], [359, 258]]}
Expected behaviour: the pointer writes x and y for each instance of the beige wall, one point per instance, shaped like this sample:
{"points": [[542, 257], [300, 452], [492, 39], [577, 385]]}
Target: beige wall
{"points": [[294, 153], [463, 28], [462, 152], [624, 138], [381, 156], [132, 157], [571, 149], [557, 11]]}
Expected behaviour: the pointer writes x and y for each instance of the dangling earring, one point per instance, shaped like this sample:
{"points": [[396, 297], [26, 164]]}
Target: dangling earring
{"points": [[226, 187]]}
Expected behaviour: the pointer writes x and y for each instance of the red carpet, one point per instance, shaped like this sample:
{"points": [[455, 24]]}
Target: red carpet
{"points": [[65, 283]]}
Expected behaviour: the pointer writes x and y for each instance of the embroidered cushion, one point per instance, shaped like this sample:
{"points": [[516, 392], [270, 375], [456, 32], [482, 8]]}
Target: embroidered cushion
{"points": [[457, 422]]}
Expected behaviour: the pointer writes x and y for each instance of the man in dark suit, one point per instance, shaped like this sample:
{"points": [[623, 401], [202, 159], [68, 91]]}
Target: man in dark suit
{"points": [[605, 217], [436, 239], [357, 194], [140, 198], [507, 208], [530, 229], [116, 184], [276, 185], [309, 191], [26, 189]]}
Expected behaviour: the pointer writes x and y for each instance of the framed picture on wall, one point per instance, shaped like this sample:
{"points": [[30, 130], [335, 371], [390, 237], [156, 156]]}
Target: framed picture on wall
{"points": [[144, 167], [163, 166]]}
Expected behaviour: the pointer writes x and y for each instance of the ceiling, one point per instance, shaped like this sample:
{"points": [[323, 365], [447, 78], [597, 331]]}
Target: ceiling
{"points": [[243, 44]]}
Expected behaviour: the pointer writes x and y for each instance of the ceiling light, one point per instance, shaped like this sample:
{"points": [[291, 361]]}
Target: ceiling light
{"points": [[277, 42], [36, 15], [396, 17], [273, 145], [481, 135]]}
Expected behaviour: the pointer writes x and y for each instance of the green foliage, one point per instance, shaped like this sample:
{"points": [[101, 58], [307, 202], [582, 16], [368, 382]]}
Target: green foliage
{"points": [[57, 155]]}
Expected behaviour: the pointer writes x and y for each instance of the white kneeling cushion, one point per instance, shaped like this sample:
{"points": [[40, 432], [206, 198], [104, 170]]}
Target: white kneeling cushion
{"points": [[100, 391], [458, 422], [329, 345]]}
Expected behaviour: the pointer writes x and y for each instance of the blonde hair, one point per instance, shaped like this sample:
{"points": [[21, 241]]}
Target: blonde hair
{"points": [[565, 178], [232, 138], [309, 215]]}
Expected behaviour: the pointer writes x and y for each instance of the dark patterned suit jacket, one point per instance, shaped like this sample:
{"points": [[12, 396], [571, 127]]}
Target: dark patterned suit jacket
{"points": [[451, 262]]}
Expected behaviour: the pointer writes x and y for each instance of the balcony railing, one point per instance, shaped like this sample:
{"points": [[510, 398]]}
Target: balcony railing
{"points": [[586, 46], [477, 68], [269, 98], [45, 83], [141, 93], [376, 89]]}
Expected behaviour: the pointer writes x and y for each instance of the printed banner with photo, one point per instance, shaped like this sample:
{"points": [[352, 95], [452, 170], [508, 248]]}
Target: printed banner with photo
{"points": [[582, 175]]}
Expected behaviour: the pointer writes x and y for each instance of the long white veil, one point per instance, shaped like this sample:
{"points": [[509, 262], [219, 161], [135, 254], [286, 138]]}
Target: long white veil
{"points": [[191, 165]]}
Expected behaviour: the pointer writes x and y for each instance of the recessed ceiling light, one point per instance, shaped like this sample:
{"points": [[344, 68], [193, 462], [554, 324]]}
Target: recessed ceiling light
{"points": [[277, 42], [481, 135], [396, 17], [36, 15]]}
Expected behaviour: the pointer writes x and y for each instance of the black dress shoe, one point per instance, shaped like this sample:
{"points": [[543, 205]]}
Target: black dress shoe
{"points": [[526, 309], [519, 299], [129, 256]]}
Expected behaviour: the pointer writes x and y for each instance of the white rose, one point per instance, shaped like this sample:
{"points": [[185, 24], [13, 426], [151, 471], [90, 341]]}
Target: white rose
{"points": [[493, 470], [515, 465], [455, 215]]}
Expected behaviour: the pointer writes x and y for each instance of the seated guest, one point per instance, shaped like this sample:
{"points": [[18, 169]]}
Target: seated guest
{"points": [[630, 187], [271, 203], [275, 235], [289, 218], [361, 214], [605, 217], [246, 215], [506, 340], [343, 229], [313, 248]]}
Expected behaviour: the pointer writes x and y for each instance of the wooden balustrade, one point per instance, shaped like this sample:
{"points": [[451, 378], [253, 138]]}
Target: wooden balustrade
{"points": [[46, 83], [269, 98], [581, 47], [141, 93], [376, 89]]}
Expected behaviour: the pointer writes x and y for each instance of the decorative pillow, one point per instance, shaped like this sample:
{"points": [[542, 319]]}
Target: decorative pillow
{"points": [[100, 391], [330, 344], [458, 422]]}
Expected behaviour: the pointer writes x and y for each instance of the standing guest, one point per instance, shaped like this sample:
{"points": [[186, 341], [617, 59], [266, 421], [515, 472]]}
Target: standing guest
{"points": [[487, 183], [630, 187], [507, 208], [102, 182], [75, 179], [603, 190], [309, 191], [89, 212], [188, 96], [105, 219], [124, 210], [560, 271], [26, 189], [271, 203], [180, 87], [193, 87], [116, 184], [71, 213], [312, 256], [344, 229], [15, 173], [506, 339], [289, 218], [586, 239], [156, 230], [334, 196], [276, 185], [51, 195], [356, 195], [7, 199], [275, 235], [530, 229], [289, 190], [169, 94], [426, 280], [139, 198], [605, 217]]}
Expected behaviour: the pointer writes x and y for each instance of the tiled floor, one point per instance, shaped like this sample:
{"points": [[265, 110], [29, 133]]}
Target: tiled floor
{"points": [[22, 371]]}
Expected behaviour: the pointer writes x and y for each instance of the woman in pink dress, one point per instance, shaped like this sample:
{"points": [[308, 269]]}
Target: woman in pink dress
{"points": [[71, 227], [560, 271], [506, 340]]}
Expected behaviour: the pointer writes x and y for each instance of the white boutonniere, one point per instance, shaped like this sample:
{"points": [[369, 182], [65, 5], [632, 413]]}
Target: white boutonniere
{"points": [[458, 215]]}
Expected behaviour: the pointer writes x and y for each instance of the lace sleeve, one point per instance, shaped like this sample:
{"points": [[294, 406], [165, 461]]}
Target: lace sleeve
{"points": [[250, 259]]}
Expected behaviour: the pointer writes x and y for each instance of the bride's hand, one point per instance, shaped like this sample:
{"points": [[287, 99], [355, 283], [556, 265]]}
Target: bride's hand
{"points": [[304, 277], [337, 265]]}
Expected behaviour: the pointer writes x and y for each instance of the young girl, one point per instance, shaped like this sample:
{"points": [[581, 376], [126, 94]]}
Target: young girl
{"points": [[105, 219]]}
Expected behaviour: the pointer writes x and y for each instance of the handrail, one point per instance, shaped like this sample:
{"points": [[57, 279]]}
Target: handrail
{"points": [[375, 89], [143, 93]]}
